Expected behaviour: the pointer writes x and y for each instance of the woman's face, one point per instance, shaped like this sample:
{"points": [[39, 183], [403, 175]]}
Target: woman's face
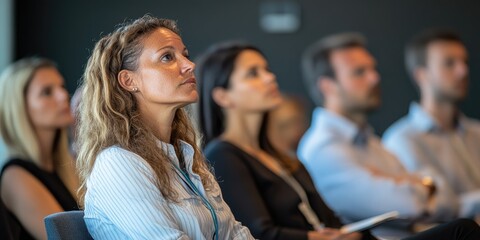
{"points": [[47, 100], [252, 86], [165, 74]]}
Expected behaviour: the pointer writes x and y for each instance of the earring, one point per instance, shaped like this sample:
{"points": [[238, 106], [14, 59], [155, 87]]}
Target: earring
{"points": [[135, 89]]}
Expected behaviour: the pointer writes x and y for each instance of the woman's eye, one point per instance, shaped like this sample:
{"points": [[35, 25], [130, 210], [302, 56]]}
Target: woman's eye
{"points": [[46, 92], [252, 72], [167, 57]]}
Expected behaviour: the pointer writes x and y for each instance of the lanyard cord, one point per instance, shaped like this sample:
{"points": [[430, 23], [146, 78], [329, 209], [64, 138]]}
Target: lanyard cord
{"points": [[304, 206], [184, 176]]}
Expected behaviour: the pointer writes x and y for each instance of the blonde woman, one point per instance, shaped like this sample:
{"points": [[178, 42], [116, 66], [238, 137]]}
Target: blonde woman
{"points": [[142, 176], [38, 176]]}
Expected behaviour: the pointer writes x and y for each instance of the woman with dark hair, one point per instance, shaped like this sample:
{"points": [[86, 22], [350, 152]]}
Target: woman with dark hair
{"points": [[268, 192]]}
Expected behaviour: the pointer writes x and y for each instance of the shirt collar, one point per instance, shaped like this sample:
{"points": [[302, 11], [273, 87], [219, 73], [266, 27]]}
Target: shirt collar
{"points": [[423, 121], [186, 149], [342, 126]]}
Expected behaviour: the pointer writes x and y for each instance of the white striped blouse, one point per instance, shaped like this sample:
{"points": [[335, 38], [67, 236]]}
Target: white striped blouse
{"points": [[122, 201]]}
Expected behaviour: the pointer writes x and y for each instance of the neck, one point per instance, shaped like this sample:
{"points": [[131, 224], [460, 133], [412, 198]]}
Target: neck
{"points": [[159, 120], [357, 117], [243, 129], [46, 140], [444, 113]]}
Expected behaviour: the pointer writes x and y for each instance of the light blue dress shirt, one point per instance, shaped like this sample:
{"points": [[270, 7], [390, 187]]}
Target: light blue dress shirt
{"points": [[123, 202], [421, 145], [3, 152], [356, 175]]}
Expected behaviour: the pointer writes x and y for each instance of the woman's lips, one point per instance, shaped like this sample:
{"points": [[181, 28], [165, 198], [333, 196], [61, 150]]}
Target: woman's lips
{"points": [[190, 80]]}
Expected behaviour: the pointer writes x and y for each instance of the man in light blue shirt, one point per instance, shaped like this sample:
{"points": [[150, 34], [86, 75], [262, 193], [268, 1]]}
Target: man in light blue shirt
{"points": [[435, 136], [357, 177]]}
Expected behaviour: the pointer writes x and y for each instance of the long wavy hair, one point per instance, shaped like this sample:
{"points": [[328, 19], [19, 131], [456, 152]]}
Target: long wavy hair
{"points": [[109, 115], [16, 128], [214, 68]]}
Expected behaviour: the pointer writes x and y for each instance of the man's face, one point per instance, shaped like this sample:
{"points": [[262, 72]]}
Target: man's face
{"points": [[446, 71], [356, 80]]}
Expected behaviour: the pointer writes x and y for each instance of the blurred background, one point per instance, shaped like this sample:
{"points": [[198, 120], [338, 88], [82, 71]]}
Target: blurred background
{"points": [[66, 31]]}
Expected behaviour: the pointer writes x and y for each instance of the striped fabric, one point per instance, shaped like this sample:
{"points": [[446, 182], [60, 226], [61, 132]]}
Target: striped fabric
{"points": [[122, 201]]}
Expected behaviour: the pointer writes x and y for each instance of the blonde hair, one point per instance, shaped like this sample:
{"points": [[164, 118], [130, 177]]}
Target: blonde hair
{"points": [[17, 130], [109, 114]]}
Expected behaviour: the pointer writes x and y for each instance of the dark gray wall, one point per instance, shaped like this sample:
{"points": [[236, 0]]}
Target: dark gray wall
{"points": [[67, 30]]}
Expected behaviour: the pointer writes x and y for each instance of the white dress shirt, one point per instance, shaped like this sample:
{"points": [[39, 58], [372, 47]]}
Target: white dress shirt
{"points": [[356, 175], [123, 202], [422, 146]]}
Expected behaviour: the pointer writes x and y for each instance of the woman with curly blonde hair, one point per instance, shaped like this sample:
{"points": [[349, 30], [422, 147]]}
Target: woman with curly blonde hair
{"points": [[142, 176], [38, 175]]}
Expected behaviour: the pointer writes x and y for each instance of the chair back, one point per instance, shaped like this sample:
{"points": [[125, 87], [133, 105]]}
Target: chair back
{"points": [[66, 225]]}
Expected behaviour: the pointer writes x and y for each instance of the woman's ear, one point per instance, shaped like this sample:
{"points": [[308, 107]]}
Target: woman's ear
{"points": [[221, 97], [126, 81]]}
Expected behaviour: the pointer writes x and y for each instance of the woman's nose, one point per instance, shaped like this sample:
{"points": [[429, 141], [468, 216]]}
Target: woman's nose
{"points": [[187, 65], [270, 77], [62, 95]]}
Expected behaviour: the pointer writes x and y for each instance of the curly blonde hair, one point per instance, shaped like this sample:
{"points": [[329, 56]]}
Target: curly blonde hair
{"points": [[109, 114]]}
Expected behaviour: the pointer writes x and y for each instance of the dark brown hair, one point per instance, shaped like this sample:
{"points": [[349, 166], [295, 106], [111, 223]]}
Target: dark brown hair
{"points": [[316, 60], [214, 69]]}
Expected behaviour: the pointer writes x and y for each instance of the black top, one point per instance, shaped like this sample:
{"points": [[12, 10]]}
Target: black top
{"points": [[260, 199], [51, 181]]}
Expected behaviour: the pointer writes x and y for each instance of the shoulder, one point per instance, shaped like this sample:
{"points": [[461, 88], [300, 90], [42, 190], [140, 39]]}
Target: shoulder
{"points": [[473, 124], [117, 157], [120, 171], [18, 183], [115, 162], [330, 159], [334, 154], [316, 144], [116, 152], [221, 146], [227, 159], [19, 163], [19, 170], [403, 128], [16, 173], [217, 150]]}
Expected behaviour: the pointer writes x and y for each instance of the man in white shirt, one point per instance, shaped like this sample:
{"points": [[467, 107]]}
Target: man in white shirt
{"points": [[357, 177], [435, 135]]}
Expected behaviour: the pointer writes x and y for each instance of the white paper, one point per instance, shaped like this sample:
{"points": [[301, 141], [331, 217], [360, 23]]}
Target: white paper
{"points": [[368, 223]]}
